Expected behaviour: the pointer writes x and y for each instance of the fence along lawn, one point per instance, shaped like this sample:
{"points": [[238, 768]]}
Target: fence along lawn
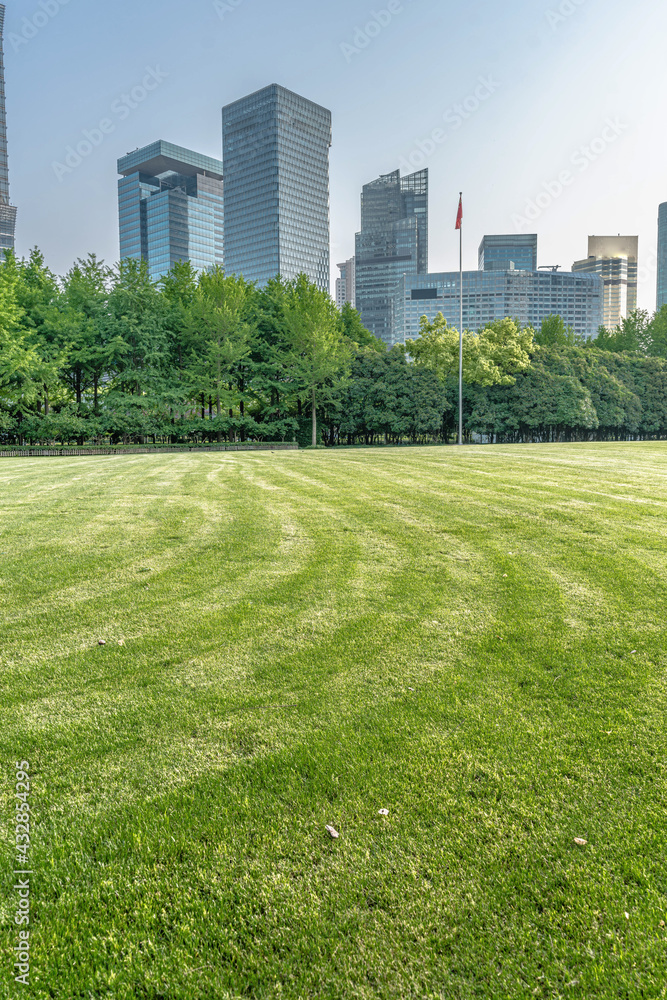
{"points": [[472, 640]]}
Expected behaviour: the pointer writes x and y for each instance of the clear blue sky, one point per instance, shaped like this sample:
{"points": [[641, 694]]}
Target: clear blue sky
{"points": [[572, 88]]}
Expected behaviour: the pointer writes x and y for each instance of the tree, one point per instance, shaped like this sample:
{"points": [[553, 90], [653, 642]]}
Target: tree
{"points": [[632, 334], [553, 333], [355, 330], [494, 356], [222, 340], [315, 347], [657, 330]]}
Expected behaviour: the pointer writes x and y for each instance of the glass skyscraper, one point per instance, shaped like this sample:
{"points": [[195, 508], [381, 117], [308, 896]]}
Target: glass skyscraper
{"points": [[276, 163], [508, 253], [393, 241], [527, 296], [7, 210], [170, 208], [662, 256], [614, 258]]}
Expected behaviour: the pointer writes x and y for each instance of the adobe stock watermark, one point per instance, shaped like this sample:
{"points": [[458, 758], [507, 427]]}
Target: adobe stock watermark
{"points": [[121, 109], [454, 118], [582, 158], [31, 26], [224, 7], [558, 15], [364, 34], [24, 831]]}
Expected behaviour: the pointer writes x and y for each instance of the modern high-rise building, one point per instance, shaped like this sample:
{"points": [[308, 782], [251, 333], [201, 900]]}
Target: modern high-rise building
{"points": [[345, 285], [515, 252], [527, 296], [276, 163], [7, 210], [393, 241], [662, 256], [614, 258], [170, 208]]}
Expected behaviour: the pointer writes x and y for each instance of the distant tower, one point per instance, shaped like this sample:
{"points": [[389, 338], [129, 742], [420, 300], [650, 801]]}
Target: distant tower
{"points": [[508, 253], [615, 259], [393, 241], [662, 256], [170, 208], [345, 285], [7, 211], [276, 162]]}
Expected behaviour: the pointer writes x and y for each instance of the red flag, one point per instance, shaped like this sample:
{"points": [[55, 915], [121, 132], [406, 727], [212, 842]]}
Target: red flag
{"points": [[459, 217]]}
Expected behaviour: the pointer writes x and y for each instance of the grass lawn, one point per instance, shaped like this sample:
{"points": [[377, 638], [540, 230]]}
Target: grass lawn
{"points": [[473, 640]]}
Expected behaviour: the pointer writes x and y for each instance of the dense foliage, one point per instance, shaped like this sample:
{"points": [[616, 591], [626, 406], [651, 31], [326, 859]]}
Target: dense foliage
{"points": [[106, 355]]}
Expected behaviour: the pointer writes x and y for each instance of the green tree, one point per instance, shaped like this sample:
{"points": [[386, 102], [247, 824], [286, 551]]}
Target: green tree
{"points": [[355, 330], [553, 332], [316, 350], [494, 356], [222, 340]]}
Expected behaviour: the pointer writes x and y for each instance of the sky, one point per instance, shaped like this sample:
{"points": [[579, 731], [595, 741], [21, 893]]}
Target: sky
{"points": [[548, 114]]}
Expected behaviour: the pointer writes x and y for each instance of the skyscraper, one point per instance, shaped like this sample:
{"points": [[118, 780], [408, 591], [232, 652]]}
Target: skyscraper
{"points": [[276, 163], [508, 253], [393, 241], [7, 211], [615, 259], [662, 256], [170, 208], [345, 285]]}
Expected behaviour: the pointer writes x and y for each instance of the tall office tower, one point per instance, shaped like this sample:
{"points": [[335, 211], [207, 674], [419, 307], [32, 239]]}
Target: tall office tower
{"points": [[528, 296], [662, 256], [615, 259], [7, 211], [508, 253], [170, 208], [275, 152], [345, 285], [393, 241]]}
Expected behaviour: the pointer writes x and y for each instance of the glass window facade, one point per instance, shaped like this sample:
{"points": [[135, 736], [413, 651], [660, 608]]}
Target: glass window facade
{"points": [[508, 253], [7, 211], [170, 208], [393, 241], [614, 258], [276, 162], [527, 296], [662, 256]]}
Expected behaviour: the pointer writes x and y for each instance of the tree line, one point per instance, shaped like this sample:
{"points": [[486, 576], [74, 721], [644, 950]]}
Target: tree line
{"points": [[106, 355]]}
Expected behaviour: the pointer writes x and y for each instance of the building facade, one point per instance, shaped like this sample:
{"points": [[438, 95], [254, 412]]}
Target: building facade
{"points": [[527, 296], [614, 258], [276, 163], [393, 241], [170, 208], [345, 284], [515, 252], [7, 210], [662, 256]]}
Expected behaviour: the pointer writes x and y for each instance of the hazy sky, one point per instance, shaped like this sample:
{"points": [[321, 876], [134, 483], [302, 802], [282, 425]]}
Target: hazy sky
{"points": [[558, 103]]}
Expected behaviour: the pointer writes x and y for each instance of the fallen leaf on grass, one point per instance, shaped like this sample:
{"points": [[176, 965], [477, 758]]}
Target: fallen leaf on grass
{"points": [[383, 812], [102, 642], [334, 834], [580, 841]]}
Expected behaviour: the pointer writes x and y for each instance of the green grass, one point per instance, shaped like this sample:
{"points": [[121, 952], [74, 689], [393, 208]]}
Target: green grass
{"points": [[474, 640]]}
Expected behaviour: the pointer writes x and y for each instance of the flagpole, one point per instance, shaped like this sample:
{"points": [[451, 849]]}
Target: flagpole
{"points": [[461, 325]]}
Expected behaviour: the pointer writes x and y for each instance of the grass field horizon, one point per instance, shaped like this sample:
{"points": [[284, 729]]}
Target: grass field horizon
{"points": [[470, 639]]}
